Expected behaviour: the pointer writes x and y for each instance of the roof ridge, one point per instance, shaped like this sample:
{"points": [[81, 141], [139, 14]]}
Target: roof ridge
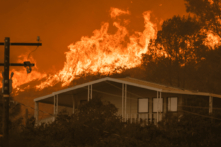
{"points": [[160, 84], [194, 91], [147, 81]]}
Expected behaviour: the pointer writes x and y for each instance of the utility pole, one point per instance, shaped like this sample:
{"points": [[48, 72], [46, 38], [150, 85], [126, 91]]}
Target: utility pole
{"points": [[6, 92]]}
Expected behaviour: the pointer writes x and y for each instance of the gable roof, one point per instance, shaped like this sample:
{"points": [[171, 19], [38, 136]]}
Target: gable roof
{"points": [[133, 82], [165, 88]]}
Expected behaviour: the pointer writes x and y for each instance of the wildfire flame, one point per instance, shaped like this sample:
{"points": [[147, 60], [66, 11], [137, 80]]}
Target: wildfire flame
{"points": [[114, 12], [103, 52], [210, 1], [19, 78], [212, 40]]}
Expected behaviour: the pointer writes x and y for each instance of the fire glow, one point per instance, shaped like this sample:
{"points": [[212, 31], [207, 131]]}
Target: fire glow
{"points": [[19, 78], [212, 40], [103, 52], [100, 53]]}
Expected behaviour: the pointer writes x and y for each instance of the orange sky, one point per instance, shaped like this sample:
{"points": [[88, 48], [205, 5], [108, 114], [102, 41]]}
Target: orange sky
{"points": [[62, 22]]}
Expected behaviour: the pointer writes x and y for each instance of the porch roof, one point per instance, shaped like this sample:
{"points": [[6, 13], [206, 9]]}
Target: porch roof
{"points": [[132, 82]]}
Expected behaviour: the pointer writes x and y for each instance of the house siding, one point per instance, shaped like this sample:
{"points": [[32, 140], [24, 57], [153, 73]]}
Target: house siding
{"points": [[112, 92]]}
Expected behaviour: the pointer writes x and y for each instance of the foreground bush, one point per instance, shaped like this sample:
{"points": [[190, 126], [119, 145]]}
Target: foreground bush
{"points": [[95, 124]]}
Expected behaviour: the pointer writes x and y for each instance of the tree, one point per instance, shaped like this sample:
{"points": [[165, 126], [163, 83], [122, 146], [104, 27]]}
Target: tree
{"points": [[181, 40], [14, 119], [91, 123], [95, 124], [208, 12]]}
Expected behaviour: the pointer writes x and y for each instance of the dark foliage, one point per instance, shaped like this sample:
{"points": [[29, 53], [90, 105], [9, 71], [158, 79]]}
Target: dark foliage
{"points": [[95, 124], [188, 62]]}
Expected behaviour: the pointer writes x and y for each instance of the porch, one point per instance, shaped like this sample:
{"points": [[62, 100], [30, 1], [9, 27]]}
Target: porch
{"points": [[137, 101]]}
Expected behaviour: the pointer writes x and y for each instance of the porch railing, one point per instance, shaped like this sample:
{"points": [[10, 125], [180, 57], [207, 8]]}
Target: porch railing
{"points": [[46, 120], [142, 119]]}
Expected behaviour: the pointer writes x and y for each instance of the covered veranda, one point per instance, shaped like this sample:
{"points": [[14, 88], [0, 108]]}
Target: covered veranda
{"points": [[134, 98]]}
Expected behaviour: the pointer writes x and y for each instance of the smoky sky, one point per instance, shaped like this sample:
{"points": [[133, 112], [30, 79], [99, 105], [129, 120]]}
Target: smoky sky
{"points": [[62, 22]]}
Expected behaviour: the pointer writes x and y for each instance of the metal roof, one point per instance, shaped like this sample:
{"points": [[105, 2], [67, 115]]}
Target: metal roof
{"points": [[167, 89], [133, 82]]}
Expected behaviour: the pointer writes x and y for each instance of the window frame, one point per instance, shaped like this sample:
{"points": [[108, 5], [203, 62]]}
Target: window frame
{"points": [[169, 110], [153, 105], [138, 105]]}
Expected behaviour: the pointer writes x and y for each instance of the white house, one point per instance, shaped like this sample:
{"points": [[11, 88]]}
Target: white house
{"points": [[134, 98]]}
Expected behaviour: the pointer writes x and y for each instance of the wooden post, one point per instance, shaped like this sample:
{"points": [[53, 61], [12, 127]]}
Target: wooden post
{"points": [[91, 91], [6, 93], [88, 92], [138, 118], [55, 104], [6, 89], [122, 101], [150, 109], [210, 105], [164, 106], [36, 112], [161, 109], [146, 120], [73, 103], [130, 119], [127, 119], [179, 104], [125, 97], [157, 106]]}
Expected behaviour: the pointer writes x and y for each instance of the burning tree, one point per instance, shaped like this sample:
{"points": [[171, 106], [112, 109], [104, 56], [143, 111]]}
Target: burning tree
{"points": [[191, 46]]}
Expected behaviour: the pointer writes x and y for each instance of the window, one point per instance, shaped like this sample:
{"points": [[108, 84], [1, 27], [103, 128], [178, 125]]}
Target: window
{"points": [[160, 104], [172, 104], [143, 105]]}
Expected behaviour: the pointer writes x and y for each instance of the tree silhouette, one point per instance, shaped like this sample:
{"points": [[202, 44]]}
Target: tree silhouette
{"points": [[181, 39], [208, 12], [14, 119]]}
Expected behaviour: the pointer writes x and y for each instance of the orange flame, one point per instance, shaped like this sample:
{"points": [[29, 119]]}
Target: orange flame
{"points": [[210, 1], [103, 52], [21, 77], [114, 12], [212, 40]]}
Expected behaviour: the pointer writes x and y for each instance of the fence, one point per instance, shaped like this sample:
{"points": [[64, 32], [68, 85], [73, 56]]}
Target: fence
{"points": [[143, 119], [46, 120]]}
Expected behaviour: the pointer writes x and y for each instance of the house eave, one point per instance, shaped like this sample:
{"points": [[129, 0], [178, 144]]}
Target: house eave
{"points": [[94, 82]]}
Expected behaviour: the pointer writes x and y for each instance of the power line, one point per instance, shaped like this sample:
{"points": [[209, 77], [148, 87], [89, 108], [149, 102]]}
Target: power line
{"points": [[200, 114], [198, 107], [121, 89], [181, 105], [110, 94], [6, 82], [180, 110], [29, 107], [36, 109], [32, 52], [83, 124]]}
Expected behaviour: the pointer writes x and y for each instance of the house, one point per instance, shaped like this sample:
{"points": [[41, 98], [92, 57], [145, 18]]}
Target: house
{"points": [[134, 99]]}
